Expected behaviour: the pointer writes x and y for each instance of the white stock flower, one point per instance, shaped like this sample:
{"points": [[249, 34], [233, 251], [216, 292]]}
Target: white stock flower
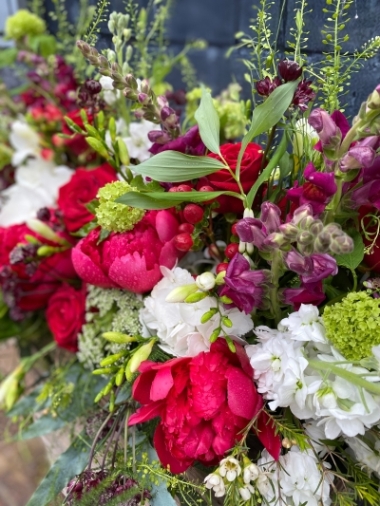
{"points": [[246, 492], [24, 140], [296, 479], [137, 141], [305, 324], [364, 454], [270, 359], [316, 435], [37, 185], [110, 95], [177, 325]]}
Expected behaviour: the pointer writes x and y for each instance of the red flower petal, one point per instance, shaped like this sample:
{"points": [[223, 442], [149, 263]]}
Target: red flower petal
{"points": [[267, 435], [243, 398], [146, 413], [166, 458], [199, 441], [142, 385], [162, 384]]}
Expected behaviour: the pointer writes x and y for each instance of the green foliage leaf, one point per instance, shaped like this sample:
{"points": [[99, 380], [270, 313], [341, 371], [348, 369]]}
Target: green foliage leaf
{"points": [[86, 387], [44, 45], [26, 405], [175, 167], [208, 122], [8, 56], [160, 494], [166, 200], [268, 114], [68, 465], [264, 176], [353, 259]]}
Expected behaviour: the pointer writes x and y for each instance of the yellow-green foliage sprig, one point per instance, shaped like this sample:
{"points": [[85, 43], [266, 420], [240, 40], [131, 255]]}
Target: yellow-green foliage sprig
{"points": [[353, 325], [22, 24], [113, 216]]}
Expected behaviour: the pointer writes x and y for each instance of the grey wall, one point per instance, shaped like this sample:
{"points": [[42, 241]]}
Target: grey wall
{"points": [[217, 21]]}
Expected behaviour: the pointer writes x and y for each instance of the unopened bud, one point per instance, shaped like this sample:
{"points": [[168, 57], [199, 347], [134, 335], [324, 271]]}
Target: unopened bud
{"points": [[195, 297], [208, 315], [45, 231], [180, 293], [205, 281], [140, 355], [118, 337]]}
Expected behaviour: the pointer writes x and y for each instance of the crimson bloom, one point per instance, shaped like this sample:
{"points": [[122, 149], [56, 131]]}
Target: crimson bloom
{"points": [[129, 260], [204, 403], [316, 191]]}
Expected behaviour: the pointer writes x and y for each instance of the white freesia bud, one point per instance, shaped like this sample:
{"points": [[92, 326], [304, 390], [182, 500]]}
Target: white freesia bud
{"points": [[230, 468], [248, 213], [180, 293], [205, 281], [246, 492]]}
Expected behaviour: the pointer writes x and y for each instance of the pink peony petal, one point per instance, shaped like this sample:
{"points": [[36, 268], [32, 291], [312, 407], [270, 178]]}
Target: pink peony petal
{"points": [[130, 272], [142, 385], [169, 255], [243, 398], [166, 225], [88, 271], [162, 384], [146, 413], [267, 435], [199, 441], [166, 458]]}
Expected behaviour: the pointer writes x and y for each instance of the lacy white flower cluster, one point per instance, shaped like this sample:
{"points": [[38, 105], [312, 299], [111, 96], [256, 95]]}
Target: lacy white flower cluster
{"points": [[287, 372], [177, 325]]}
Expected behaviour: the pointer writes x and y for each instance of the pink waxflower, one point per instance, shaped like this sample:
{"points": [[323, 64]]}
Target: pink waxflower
{"points": [[203, 403], [129, 260]]}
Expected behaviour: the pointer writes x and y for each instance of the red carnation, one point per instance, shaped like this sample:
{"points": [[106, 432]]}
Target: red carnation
{"points": [[204, 403], [222, 179], [79, 191], [65, 316]]}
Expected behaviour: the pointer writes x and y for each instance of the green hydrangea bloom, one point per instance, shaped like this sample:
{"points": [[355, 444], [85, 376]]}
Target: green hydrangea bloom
{"points": [[113, 216], [116, 311], [353, 325], [24, 23]]}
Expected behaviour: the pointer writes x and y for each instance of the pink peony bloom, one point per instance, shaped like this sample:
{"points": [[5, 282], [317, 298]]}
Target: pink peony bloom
{"points": [[204, 403], [129, 260]]}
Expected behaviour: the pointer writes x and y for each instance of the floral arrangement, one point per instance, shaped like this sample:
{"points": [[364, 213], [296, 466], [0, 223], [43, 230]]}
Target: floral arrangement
{"points": [[194, 278]]}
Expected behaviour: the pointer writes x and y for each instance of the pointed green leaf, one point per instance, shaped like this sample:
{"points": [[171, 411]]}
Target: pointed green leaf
{"points": [[175, 167], [158, 200], [68, 465], [208, 122], [273, 162], [268, 114]]}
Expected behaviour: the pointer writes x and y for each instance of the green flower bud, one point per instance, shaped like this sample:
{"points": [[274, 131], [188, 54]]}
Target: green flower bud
{"points": [[22, 24], [112, 358], [180, 293], [208, 315], [119, 337], [140, 355], [119, 378], [226, 322], [195, 297], [45, 231], [114, 216], [214, 336], [98, 146]]}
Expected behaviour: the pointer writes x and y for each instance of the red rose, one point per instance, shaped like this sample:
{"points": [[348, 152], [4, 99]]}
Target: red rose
{"points": [[204, 403], [81, 189], [27, 282], [222, 180], [129, 260], [77, 143], [65, 316]]}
